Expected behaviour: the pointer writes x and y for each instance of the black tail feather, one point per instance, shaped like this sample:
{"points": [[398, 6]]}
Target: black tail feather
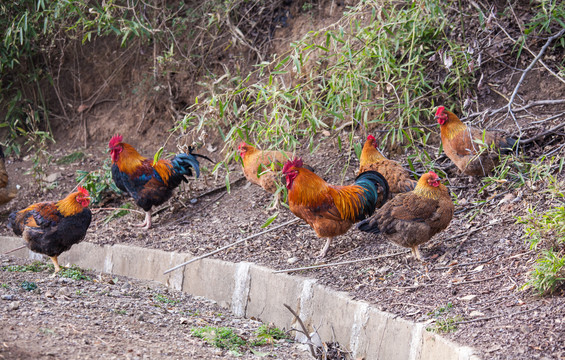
{"points": [[190, 151], [369, 226], [507, 145]]}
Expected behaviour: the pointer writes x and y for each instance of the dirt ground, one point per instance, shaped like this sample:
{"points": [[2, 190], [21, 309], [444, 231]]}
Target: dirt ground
{"points": [[114, 317], [474, 272]]}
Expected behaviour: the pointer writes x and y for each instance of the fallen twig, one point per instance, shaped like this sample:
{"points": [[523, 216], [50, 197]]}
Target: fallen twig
{"points": [[472, 231], [340, 263], [221, 188], [466, 264], [230, 245], [304, 330], [13, 250], [527, 70], [117, 209], [550, 131], [497, 316], [479, 280]]}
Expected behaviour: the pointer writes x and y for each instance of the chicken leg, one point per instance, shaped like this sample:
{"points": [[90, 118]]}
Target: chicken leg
{"points": [[146, 224], [325, 248], [416, 253], [56, 264]]}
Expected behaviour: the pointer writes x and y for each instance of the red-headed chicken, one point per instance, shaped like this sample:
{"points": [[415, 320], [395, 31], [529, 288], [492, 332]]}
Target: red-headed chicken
{"points": [[51, 228], [412, 218], [260, 166], [148, 183], [398, 178], [331, 210], [462, 144], [8, 191]]}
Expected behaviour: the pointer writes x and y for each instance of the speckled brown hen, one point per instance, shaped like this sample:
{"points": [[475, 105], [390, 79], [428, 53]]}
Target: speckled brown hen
{"points": [[412, 218], [8, 190], [465, 145], [398, 178]]}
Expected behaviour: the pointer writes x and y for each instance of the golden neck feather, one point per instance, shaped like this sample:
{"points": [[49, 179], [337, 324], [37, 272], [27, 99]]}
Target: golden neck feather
{"points": [[69, 205], [453, 126], [129, 159]]}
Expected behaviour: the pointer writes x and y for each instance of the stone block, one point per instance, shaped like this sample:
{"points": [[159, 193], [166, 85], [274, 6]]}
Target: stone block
{"points": [[86, 255], [211, 278], [267, 294]]}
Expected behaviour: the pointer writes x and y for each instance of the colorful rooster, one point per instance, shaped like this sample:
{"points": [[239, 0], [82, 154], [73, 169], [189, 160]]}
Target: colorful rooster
{"points": [[51, 228], [148, 183], [331, 210]]}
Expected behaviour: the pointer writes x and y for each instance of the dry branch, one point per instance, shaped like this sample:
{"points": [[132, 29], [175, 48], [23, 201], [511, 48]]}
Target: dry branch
{"points": [[230, 245], [497, 316], [13, 250], [340, 263], [304, 330]]}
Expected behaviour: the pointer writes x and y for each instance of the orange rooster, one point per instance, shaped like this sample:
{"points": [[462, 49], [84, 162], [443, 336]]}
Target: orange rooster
{"points": [[398, 178], [51, 228], [8, 190], [463, 144], [148, 183], [331, 210], [412, 218], [260, 166]]}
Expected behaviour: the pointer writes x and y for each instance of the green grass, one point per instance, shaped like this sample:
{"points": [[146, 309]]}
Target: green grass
{"points": [[73, 272], [226, 338], [220, 337], [164, 300], [28, 285], [118, 213], [36, 266], [99, 183], [71, 158], [444, 323], [545, 234], [372, 69], [269, 334]]}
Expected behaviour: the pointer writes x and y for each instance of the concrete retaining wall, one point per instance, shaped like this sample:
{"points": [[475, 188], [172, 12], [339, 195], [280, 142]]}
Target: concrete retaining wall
{"points": [[254, 291]]}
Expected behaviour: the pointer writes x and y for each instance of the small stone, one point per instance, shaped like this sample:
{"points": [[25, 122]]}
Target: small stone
{"points": [[8, 297], [384, 270], [183, 320], [292, 260], [14, 305], [49, 294], [468, 298], [476, 313], [51, 178]]}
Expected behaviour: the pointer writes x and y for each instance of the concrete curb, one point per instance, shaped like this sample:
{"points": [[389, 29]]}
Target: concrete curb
{"points": [[255, 291]]}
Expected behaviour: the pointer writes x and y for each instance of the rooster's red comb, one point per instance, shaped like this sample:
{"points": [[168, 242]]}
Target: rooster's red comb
{"points": [[297, 162], [115, 140], [440, 110], [83, 191], [371, 138], [433, 174]]}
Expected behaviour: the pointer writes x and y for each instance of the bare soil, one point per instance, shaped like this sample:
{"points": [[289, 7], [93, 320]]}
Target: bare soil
{"points": [[474, 272], [114, 317]]}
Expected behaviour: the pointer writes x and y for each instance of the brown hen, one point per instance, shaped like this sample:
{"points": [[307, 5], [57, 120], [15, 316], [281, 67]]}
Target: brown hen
{"points": [[398, 178], [412, 218], [465, 145]]}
